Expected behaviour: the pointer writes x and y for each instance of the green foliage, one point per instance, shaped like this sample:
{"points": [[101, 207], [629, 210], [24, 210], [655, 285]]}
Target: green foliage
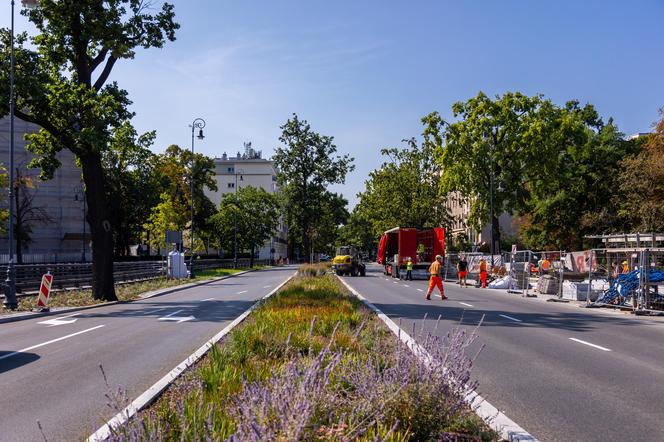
{"points": [[253, 211], [404, 191], [642, 183], [554, 166], [132, 183], [307, 165], [62, 85], [171, 180]]}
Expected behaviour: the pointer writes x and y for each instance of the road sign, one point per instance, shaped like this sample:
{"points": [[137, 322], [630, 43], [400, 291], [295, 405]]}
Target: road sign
{"points": [[173, 237]]}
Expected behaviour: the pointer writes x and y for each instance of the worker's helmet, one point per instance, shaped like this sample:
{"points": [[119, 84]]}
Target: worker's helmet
{"points": [[439, 257], [625, 262]]}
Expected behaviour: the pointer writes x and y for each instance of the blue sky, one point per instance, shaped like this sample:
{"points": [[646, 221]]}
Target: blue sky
{"points": [[365, 71]]}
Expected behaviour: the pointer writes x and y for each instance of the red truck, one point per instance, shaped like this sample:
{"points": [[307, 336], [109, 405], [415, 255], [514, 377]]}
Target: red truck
{"points": [[421, 245]]}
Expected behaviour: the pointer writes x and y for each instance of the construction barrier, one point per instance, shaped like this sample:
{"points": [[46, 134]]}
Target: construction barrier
{"points": [[44, 292]]}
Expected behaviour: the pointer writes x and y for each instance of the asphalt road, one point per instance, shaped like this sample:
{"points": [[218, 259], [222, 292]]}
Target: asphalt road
{"points": [[49, 366], [562, 372]]}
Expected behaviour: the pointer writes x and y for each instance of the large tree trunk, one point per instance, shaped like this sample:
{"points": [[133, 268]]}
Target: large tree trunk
{"points": [[98, 217], [251, 260]]}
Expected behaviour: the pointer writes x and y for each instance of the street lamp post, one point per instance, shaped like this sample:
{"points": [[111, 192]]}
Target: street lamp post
{"points": [[199, 124], [79, 190]]}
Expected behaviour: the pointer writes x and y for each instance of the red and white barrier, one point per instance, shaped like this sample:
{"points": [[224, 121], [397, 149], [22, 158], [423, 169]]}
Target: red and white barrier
{"points": [[44, 291]]}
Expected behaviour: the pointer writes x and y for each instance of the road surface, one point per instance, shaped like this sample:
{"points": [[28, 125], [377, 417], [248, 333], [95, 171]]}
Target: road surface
{"points": [[562, 372], [49, 366]]}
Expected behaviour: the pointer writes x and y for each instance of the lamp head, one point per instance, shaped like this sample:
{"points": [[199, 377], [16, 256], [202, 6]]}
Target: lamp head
{"points": [[200, 134], [30, 4]]}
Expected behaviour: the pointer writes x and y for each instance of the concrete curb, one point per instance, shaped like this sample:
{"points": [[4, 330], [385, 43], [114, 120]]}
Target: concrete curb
{"points": [[152, 393], [147, 295], [497, 420]]}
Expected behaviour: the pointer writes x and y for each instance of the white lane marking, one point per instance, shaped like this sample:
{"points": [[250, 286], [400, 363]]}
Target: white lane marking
{"points": [[178, 319], [463, 303], [9, 355], [387, 279], [267, 286], [590, 344], [395, 282], [511, 318], [420, 290], [208, 299], [406, 285], [59, 321], [243, 291], [155, 310]]}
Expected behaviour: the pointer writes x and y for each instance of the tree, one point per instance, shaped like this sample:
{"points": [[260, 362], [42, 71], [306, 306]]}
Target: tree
{"points": [[169, 214], [333, 214], [307, 165], [62, 86], [254, 212], [358, 231], [492, 141], [26, 214], [554, 166], [642, 183], [129, 164], [405, 190], [173, 173]]}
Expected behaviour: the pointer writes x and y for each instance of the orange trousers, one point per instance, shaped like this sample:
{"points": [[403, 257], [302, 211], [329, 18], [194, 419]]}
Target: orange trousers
{"points": [[435, 281], [483, 279]]}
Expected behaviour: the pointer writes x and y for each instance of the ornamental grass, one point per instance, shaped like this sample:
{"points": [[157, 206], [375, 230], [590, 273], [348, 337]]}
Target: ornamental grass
{"points": [[313, 364]]}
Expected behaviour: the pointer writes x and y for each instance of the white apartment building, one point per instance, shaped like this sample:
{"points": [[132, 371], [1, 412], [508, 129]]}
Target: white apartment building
{"points": [[250, 169]]}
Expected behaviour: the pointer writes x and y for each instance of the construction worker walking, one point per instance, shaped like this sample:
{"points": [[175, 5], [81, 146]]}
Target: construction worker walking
{"points": [[483, 273], [409, 270], [462, 271], [435, 280]]}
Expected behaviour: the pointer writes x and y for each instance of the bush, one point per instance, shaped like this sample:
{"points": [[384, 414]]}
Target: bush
{"points": [[319, 269]]}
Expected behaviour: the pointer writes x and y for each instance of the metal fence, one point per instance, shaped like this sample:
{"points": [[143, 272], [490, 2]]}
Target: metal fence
{"points": [[76, 275]]}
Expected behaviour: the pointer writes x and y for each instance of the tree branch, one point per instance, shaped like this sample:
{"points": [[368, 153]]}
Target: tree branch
{"points": [[38, 121], [105, 73], [98, 59]]}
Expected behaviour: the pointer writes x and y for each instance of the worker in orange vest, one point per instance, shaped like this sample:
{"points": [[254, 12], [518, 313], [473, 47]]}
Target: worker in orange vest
{"points": [[483, 273], [435, 280]]}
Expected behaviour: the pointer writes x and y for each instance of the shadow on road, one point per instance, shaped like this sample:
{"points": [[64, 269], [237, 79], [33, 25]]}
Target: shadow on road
{"points": [[16, 361]]}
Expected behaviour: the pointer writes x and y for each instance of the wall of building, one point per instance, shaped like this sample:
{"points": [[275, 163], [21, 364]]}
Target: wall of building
{"points": [[63, 236]]}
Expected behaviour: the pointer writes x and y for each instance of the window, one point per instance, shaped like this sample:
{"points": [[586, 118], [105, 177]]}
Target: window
{"points": [[231, 185], [231, 169]]}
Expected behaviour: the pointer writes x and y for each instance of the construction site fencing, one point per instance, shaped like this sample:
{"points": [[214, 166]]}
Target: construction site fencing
{"points": [[77, 275], [632, 279]]}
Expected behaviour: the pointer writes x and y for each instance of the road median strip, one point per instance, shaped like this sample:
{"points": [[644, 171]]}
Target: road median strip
{"points": [[508, 429], [311, 363]]}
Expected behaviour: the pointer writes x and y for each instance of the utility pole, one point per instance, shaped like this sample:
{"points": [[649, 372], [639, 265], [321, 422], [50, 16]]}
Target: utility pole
{"points": [[199, 124]]}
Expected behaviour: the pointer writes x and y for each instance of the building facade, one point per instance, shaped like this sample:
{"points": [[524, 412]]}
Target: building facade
{"points": [[250, 169], [459, 208], [59, 236]]}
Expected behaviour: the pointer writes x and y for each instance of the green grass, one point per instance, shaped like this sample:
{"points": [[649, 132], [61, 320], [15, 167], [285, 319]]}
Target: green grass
{"points": [[125, 292], [300, 319]]}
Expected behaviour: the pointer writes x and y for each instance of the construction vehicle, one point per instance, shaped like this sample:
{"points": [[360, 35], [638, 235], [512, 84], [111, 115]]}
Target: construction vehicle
{"points": [[348, 262], [400, 244]]}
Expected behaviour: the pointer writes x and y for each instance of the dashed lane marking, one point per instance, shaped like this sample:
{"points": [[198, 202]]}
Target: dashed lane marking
{"points": [[511, 318], [243, 291], [267, 286], [208, 299], [590, 344], [420, 290], [406, 285], [463, 303]]}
